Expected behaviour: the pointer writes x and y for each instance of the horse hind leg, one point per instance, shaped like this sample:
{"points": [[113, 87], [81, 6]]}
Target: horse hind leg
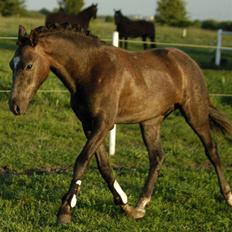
{"points": [[152, 38], [120, 41], [151, 136], [197, 117]]}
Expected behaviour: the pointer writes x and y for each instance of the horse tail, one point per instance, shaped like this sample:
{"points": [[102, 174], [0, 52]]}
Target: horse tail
{"points": [[218, 121]]}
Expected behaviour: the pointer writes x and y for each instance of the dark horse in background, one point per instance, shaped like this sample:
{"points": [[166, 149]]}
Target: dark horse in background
{"points": [[110, 85], [82, 18], [128, 28]]}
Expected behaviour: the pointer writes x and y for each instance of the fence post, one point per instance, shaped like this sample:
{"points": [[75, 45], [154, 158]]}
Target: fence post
{"points": [[218, 50], [112, 137]]}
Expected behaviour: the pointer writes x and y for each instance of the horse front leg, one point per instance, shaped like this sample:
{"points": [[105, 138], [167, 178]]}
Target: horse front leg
{"points": [[125, 42], [120, 41], [144, 38], [119, 196], [69, 199]]}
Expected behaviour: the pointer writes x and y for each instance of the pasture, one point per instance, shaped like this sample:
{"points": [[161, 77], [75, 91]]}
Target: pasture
{"points": [[39, 149]]}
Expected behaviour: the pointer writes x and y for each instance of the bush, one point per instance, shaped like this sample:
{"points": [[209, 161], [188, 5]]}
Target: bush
{"points": [[44, 11], [226, 25], [210, 24], [196, 23], [109, 19], [215, 25], [184, 23]]}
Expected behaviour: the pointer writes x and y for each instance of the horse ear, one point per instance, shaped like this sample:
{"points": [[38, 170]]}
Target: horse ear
{"points": [[22, 32], [33, 37]]}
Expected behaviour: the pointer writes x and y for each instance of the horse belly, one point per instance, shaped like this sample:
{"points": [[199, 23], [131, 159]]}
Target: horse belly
{"points": [[146, 103]]}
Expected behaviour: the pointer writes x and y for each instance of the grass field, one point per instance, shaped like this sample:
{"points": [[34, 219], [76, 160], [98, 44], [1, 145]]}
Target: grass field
{"points": [[37, 152]]}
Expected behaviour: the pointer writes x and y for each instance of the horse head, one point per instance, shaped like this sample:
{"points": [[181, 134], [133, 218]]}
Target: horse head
{"points": [[94, 10], [117, 16], [29, 68]]}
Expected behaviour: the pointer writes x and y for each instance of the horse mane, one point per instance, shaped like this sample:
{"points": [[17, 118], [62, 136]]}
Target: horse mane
{"points": [[64, 28], [86, 9]]}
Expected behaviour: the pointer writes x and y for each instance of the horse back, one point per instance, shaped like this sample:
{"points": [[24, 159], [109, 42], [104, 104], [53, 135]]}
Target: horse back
{"points": [[62, 17], [153, 82], [135, 28]]}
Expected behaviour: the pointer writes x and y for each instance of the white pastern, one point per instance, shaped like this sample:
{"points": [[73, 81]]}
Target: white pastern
{"points": [[119, 190], [16, 60], [74, 197], [229, 200], [73, 201], [78, 182]]}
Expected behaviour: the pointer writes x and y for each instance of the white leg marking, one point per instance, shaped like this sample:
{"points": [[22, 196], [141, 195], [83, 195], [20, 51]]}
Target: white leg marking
{"points": [[74, 197], [78, 182], [73, 201], [229, 199], [16, 60], [119, 190]]}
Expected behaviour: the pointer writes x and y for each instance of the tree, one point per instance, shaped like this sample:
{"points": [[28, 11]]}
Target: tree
{"points": [[44, 11], [12, 7], [71, 6], [172, 12]]}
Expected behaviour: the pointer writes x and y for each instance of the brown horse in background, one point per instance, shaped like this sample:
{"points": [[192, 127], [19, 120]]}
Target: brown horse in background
{"points": [[128, 28], [110, 85], [82, 18]]}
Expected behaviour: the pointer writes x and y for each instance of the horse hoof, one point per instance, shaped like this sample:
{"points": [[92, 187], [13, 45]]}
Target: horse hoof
{"points": [[135, 213], [229, 199], [64, 216]]}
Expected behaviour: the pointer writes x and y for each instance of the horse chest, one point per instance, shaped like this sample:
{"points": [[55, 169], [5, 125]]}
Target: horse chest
{"points": [[83, 107]]}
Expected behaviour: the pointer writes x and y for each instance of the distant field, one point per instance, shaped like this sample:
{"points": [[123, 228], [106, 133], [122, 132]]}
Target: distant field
{"points": [[37, 152], [164, 34]]}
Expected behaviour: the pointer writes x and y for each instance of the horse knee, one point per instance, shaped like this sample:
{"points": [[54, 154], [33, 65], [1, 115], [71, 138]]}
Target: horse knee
{"points": [[156, 158]]}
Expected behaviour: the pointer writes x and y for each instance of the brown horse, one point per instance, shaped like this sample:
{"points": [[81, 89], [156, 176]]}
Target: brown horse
{"points": [[82, 18], [128, 28], [110, 85]]}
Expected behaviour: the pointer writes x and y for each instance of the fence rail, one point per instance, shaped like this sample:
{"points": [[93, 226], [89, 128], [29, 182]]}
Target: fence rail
{"points": [[204, 46]]}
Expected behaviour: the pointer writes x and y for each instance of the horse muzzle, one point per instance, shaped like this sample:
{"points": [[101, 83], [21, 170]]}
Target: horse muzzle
{"points": [[16, 108]]}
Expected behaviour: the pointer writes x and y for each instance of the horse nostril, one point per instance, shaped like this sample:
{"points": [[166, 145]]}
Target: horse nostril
{"points": [[16, 109]]}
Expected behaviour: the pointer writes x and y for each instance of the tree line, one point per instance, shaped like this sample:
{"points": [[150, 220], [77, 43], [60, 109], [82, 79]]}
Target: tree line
{"points": [[17, 7], [168, 12]]}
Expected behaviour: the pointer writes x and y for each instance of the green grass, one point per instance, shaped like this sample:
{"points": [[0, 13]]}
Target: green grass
{"points": [[49, 137]]}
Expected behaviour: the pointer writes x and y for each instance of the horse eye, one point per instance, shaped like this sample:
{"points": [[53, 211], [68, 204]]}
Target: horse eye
{"points": [[29, 66]]}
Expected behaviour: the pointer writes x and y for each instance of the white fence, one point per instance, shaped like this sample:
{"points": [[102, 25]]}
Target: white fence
{"points": [[112, 137], [219, 48]]}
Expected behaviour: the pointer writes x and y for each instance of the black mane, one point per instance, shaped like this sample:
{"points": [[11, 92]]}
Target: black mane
{"points": [[65, 28]]}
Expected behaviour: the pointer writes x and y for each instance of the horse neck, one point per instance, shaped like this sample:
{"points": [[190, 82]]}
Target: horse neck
{"points": [[69, 62], [123, 20], [85, 14]]}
